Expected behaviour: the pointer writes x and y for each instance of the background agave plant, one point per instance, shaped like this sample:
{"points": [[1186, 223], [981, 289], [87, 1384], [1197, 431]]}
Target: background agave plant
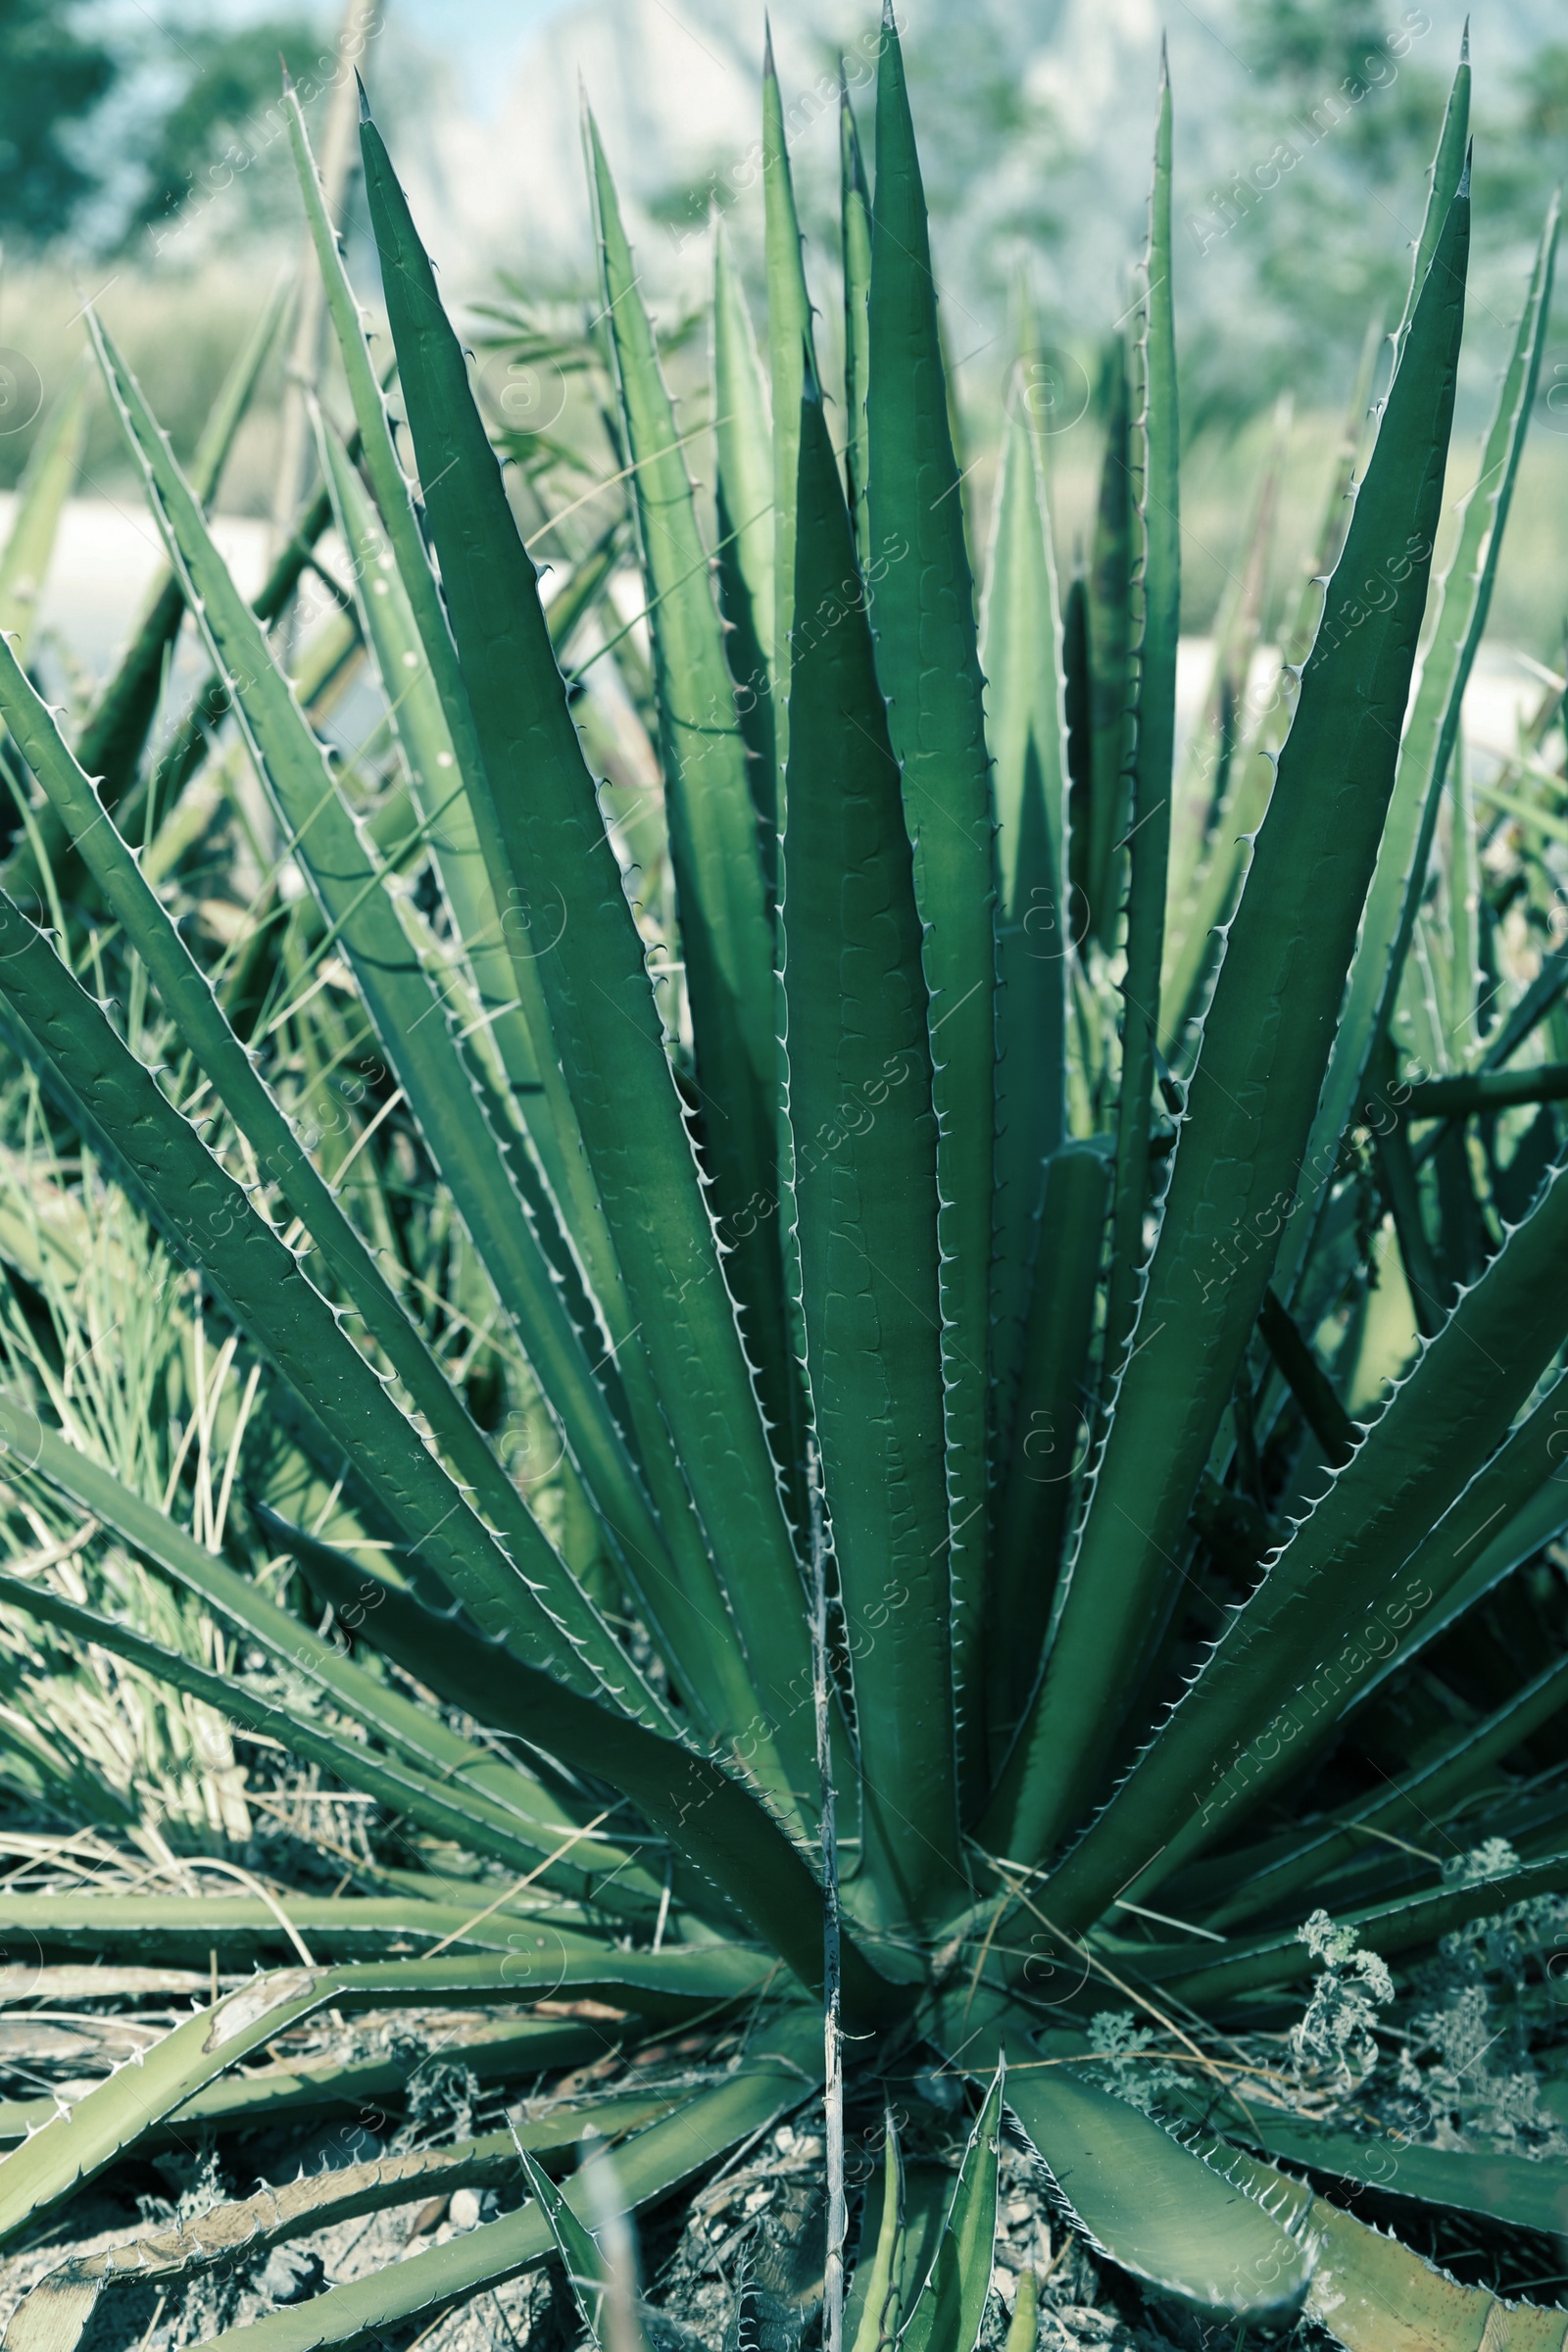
{"points": [[883, 1397]]}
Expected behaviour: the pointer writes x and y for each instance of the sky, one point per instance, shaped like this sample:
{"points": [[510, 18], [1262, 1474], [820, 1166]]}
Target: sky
{"points": [[479, 37]]}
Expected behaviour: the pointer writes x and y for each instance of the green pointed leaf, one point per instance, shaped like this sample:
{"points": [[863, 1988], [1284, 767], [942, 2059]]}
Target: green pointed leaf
{"points": [[1517, 2189], [1508, 1512], [1157, 568], [929, 669], [1461, 597], [1276, 1956], [425, 1739], [948, 2312], [573, 1390], [870, 2315], [554, 1127], [527, 1273], [603, 1013], [1449, 165], [1217, 743], [743, 438], [1020, 655], [420, 727], [114, 737], [704, 1811], [464, 1814], [726, 932], [790, 344], [1246, 805], [855, 217], [575, 2242], [1109, 621], [1408, 1808], [1023, 2328], [149, 810], [249, 1931], [503, 2052], [1250, 1105], [860, 1094], [1052, 1427], [54, 2315]]}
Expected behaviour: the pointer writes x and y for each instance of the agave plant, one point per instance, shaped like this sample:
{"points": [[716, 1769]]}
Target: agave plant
{"points": [[931, 1633]]}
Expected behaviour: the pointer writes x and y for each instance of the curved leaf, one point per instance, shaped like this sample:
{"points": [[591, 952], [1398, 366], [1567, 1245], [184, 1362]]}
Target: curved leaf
{"points": [[502, 2052], [75, 2146], [708, 1816], [1411, 1807], [1525, 2191], [555, 1133], [430, 1745], [114, 737], [1138, 2196], [54, 2315], [1218, 882], [247, 1931], [774, 2078], [1372, 2293], [463, 1813], [1346, 1569], [188, 997], [1255, 1963], [871, 2314], [115, 1098]]}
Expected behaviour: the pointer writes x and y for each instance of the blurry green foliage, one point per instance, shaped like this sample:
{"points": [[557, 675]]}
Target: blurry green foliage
{"points": [[51, 75]]}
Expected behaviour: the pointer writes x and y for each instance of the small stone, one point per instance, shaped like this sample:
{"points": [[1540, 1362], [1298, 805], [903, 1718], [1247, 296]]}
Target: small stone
{"points": [[292, 2275], [464, 2211]]}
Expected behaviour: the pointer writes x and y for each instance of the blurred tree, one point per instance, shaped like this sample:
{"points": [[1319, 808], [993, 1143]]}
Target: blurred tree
{"points": [[201, 165], [51, 77], [1519, 153], [1318, 219]]}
